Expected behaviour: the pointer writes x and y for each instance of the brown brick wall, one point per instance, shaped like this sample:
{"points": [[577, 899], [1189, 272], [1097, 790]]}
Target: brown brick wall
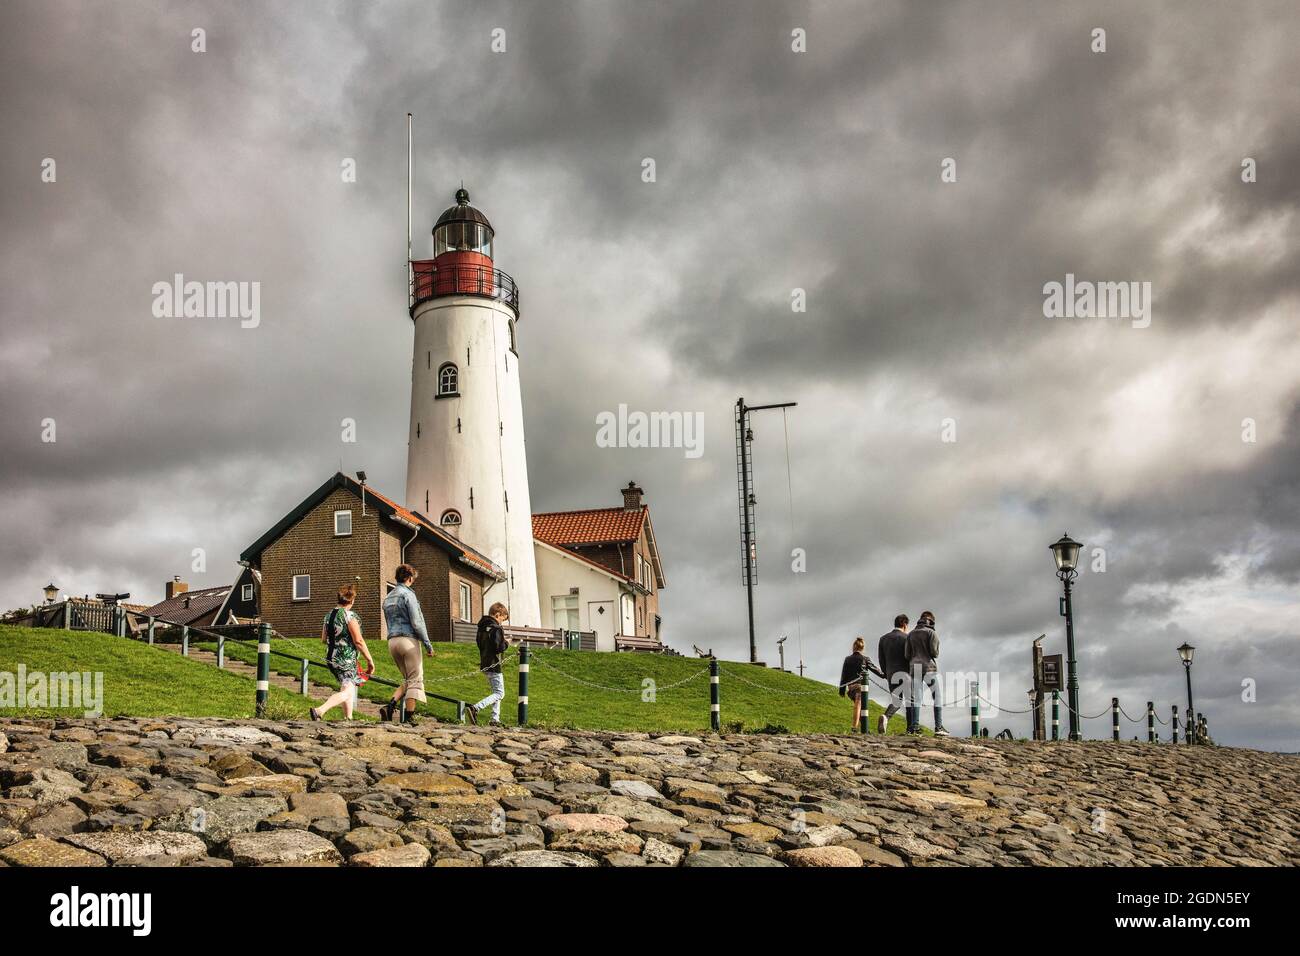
{"points": [[310, 547]]}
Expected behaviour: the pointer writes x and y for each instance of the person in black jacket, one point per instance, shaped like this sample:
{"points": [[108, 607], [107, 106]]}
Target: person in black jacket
{"points": [[853, 677], [492, 645], [893, 660]]}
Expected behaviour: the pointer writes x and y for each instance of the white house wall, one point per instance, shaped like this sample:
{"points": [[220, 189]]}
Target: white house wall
{"points": [[557, 573]]}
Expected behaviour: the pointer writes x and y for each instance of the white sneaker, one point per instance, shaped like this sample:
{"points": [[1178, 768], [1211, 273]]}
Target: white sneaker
{"points": [[882, 724], [942, 733]]}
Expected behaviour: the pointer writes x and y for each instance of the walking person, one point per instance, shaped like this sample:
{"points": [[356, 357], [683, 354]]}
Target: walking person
{"points": [[341, 633], [853, 679], [492, 644], [923, 663], [405, 622], [892, 652]]}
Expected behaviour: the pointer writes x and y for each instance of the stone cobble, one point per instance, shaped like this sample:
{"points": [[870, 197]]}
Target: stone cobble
{"points": [[182, 792]]}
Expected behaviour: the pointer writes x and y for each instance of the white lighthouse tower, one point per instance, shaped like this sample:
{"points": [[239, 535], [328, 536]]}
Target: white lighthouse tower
{"points": [[466, 466]]}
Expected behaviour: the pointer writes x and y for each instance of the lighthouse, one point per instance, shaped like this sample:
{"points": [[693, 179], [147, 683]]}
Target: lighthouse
{"points": [[466, 465]]}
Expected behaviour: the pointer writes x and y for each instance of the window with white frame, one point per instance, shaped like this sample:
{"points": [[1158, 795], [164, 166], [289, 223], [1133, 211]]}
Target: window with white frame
{"points": [[246, 592], [564, 612], [302, 587], [448, 379], [342, 524], [466, 608]]}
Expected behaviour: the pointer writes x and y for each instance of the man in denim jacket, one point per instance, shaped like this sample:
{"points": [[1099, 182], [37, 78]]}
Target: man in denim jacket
{"points": [[405, 622]]}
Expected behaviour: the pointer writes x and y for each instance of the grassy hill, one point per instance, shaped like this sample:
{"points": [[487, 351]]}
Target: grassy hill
{"points": [[566, 688], [584, 689], [139, 680]]}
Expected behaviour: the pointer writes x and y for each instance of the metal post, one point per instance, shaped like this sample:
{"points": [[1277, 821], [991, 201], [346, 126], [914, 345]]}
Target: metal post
{"points": [[1204, 727], [119, 620], [67, 615], [1056, 715], [185, 640], [221, 651], [1190, 709], [523, 685], [152, 624], [864, 724], [1151, 721], [742, 416], [460, 712], [302, 678], [1071, 664], [715, 706], [1173, 724], [263, 667], [974, 708], [1114, 718], [1189, 728]]}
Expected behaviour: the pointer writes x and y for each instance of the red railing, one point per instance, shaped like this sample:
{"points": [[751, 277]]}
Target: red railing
{"points": [[428, 282]]}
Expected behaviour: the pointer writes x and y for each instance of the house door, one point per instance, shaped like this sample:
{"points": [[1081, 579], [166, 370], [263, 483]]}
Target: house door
{"points": [[600, 618]]}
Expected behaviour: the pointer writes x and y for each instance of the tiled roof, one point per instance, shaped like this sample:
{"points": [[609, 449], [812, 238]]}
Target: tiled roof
{"points": [[596, 526], [202, 603]]}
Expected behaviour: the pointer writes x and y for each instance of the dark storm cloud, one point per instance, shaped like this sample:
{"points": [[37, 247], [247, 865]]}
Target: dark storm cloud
{"points": [[775, 171]]}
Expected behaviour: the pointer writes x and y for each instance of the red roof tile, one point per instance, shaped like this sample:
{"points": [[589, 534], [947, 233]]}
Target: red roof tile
{"points": [[596, 526]]}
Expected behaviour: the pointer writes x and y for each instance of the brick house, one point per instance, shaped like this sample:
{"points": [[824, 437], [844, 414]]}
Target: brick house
{"points": [[347, 532], [599, 570]]}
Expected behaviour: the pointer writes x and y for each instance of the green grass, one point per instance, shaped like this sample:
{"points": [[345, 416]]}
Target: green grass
{"points": [[139, 680], [559, 695]]}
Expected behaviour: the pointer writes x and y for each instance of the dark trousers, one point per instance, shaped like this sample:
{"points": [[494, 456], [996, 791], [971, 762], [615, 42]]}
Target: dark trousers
{"points": [[918, 682]]}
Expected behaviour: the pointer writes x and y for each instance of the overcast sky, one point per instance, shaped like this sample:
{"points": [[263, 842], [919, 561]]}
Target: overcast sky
{"points": [[775, 170]]}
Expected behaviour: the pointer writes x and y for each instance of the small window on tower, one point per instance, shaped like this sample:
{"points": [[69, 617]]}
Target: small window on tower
{"points": [[514, 345], [450, 519], [448, 380]]}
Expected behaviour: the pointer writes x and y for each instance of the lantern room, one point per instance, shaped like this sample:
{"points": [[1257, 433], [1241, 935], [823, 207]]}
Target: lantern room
{"points": [[462, 259]]}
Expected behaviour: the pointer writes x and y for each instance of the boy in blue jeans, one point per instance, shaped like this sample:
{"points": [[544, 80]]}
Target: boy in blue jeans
{"points": [[492, 645]]}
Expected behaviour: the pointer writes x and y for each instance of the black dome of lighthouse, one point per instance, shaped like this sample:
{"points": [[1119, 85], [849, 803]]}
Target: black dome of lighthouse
{"points": [[462, 212]]}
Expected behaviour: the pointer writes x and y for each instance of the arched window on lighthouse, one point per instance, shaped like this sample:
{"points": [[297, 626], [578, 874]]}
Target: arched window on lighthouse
{"points": [[450, 520], [448, 380]]}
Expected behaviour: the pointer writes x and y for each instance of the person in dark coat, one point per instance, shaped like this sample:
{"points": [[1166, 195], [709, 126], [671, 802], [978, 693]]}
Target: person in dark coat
{"points": [[892, 653], [492, 644], [923, 654], [853, 678]]}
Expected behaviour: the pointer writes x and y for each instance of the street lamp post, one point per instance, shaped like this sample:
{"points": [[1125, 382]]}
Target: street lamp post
{"points": [[1066, 553], [1186, 652], [51, 592]]}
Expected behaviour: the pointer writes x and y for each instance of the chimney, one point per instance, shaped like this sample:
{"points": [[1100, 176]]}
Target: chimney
{"points": [[632, 497], [175, 586]]}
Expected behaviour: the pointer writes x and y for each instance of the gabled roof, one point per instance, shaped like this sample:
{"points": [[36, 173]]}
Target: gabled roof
{"points": [[189, 606], [387, 508], [568, 530]]}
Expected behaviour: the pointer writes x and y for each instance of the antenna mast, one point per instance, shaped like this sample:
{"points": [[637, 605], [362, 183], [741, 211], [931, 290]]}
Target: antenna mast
{"points": [[410, 156]]}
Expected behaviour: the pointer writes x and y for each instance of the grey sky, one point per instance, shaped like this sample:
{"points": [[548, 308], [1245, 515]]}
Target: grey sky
{"points": [[775, 170]]}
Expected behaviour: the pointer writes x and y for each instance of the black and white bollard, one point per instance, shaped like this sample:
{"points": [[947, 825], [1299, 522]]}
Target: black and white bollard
{"points": [[1189, 727], [1151, 721], [1114, 718], [523, 685], [221, 651], [263, 667], [302, 678], [1056, 715], [715, 705], [185, 640], [1173, 724], [864, 722], [974, 709], [152, 624]]}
